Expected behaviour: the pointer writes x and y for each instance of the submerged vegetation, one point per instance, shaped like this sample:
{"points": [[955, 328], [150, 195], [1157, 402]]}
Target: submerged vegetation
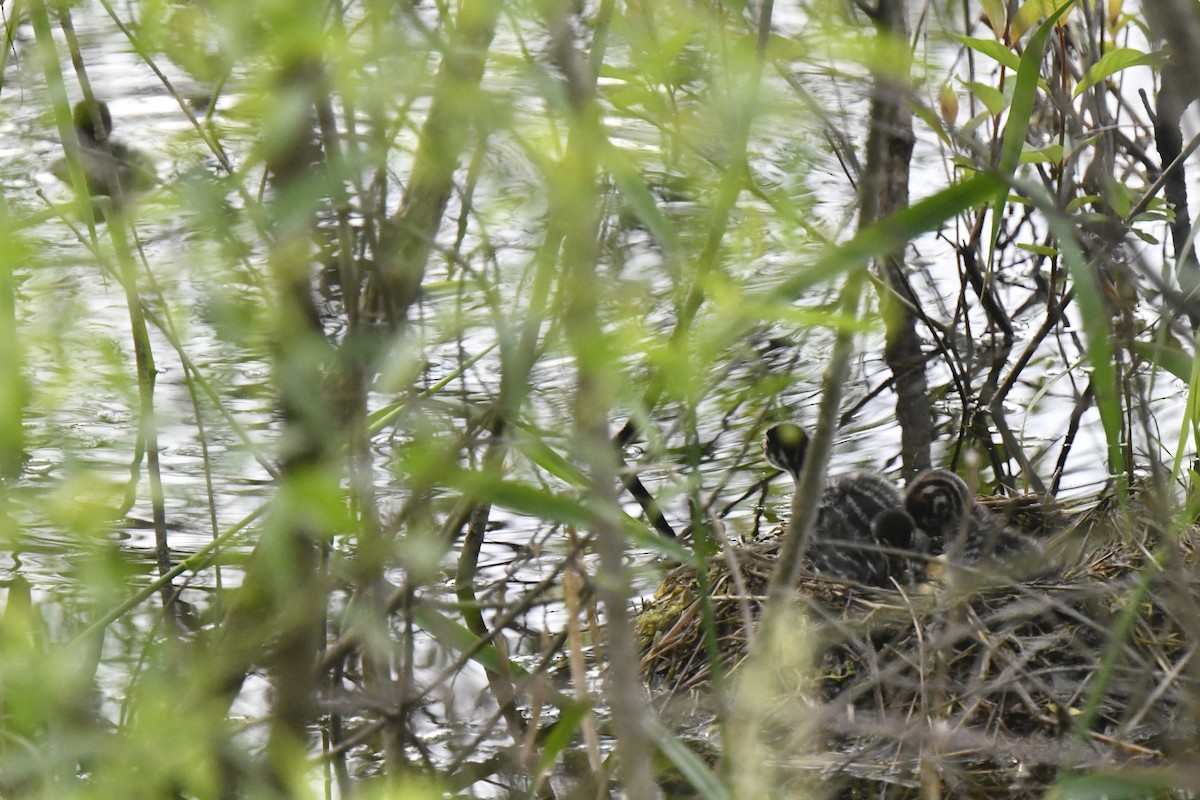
{"points": [[336, 461]]}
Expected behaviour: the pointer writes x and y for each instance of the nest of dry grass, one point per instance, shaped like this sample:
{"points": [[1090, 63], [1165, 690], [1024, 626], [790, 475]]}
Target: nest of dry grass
{"points": [[999, 684]]}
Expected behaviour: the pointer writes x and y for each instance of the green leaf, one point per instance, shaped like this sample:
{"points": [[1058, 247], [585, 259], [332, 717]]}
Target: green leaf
{"points": [[1118, 198], [927, 115], [633, 188], [1172, 359], [996, 14], [1029, 13], [1040, 249], [1019, 114], [691, 766], [613, 72], [784, 48], [893, 232], [638, 534], [994, 50], [1126, 784], [1113, 62], [1080, 202], [627, 96], [1050, 154], [1150, 216], [536, 450], [1096, 323], [524, 498], [1145, 236], [454, 635], [560, 736], [992, 98], [564, 509], [1028, 75]]}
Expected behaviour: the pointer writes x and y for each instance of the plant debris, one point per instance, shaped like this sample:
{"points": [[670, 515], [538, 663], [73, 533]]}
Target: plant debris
{"points": [[986, 685]]}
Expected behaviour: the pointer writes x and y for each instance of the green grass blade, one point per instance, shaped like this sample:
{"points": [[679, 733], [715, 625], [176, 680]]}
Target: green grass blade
{"points": [[893, 232], [687, 762], [559, 737], [1096, 316], [1019, 114]]}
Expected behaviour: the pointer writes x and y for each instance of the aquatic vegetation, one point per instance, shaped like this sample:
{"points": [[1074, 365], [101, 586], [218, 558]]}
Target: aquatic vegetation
{"points": [[346, 455]]}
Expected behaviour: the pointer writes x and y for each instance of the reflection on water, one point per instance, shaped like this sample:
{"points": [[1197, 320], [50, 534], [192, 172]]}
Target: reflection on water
{"points": [[81, 435]]}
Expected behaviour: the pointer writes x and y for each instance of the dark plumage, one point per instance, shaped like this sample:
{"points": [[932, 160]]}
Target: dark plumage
{"points": [[942, 506], [844, 543], [896, 531], [894, 528], [110, 168], [785, 446]]}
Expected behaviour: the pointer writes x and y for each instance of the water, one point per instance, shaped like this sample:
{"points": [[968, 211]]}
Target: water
{"points": [[75, 328]]}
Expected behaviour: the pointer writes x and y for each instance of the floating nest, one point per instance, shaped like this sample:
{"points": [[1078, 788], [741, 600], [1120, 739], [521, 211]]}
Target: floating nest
{"points": [[986, 686]]}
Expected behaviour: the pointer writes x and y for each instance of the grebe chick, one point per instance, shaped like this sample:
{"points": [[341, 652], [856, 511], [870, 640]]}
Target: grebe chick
{"points": [[110, 169], [843, 543], [895, 530], [942, 506]]}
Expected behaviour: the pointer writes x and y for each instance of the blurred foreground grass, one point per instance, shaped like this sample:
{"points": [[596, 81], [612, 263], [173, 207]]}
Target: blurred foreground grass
{"points": [[427, 292]]}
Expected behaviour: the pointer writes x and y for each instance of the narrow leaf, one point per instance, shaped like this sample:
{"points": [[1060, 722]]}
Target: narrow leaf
{"points": [[1040, 249], [1050, 154], [1113, 62], [993, 49], [994, 12], [1019, 115], [560, 736], [992, 98], [641, 200], [691, 766], [893, 231], [1114, 785], [1172, 359]]}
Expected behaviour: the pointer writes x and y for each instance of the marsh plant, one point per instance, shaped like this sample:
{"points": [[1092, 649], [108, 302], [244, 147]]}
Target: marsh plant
{"points": [[346, 435]]}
